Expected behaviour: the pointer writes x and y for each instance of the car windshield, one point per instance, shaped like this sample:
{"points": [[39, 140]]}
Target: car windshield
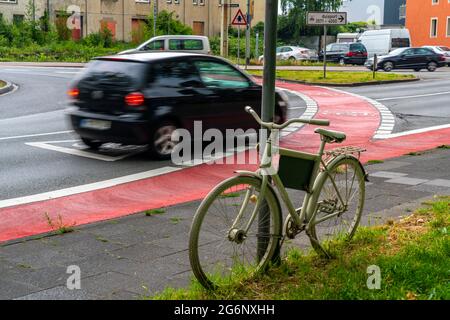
{"points": [[397, 51]]}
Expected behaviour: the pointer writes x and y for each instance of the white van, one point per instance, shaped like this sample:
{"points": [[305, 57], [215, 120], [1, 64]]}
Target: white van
{"points": [[183, 43], [381, 42]]}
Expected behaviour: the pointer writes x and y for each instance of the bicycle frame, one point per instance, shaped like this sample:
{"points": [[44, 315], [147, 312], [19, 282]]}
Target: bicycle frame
{"points": [[308, 208]]}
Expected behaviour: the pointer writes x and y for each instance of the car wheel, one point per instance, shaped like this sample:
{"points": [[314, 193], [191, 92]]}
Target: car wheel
{"points": [[417, 69], [161, 145], [93, 144], [291, 58], [341, 61], [388, 66], [431, 66]]}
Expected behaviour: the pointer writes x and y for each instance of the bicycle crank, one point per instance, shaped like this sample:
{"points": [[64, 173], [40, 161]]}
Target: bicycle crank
{"points": [[291, 229]]}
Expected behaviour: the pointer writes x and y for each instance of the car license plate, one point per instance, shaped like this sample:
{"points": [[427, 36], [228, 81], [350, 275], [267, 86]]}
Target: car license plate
{"points": [[95, 124]]}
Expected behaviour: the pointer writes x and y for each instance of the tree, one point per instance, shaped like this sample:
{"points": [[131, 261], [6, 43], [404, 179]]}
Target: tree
{"points": [[292, 23]]}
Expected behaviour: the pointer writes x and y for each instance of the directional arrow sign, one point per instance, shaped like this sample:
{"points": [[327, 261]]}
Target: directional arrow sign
{"points": [[326, 18], [239, 19]]}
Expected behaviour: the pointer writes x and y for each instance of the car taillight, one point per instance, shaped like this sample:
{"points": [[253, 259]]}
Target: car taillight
{"points": [[365, 54], [349, 54], [441, 57], [134, 99], [73, 93]]}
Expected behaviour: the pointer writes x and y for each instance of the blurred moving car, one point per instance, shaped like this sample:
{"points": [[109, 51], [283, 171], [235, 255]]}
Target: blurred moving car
{"points": [[345, 53], [292, 53], [181, 43], [409, 58], [441, 50], [140, 99]]}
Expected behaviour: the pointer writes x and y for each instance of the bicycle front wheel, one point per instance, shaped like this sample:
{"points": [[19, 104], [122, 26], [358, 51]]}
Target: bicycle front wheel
{"points": [[339, 204], [225, 244]]}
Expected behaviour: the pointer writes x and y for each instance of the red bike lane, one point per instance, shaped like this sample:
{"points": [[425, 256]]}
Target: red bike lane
{"points": [[351, 114]]}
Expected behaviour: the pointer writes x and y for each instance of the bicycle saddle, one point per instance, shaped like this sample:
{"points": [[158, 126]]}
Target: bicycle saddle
{"points": [[331, 136]]}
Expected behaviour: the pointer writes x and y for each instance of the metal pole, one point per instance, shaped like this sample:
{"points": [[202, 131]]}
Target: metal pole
{"points": [[155, 16], [239, 44], [257, 46], [224, 30], [324, 51], [247, 37], [268, 106]]}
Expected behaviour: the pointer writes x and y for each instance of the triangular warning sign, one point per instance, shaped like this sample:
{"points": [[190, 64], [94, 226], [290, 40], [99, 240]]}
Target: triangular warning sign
{"points": [[239, 19]]}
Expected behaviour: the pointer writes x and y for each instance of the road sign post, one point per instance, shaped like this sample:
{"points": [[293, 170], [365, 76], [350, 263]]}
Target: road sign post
{"points": [[239, 46], [326, 19], [324, 51], [239, 20]]}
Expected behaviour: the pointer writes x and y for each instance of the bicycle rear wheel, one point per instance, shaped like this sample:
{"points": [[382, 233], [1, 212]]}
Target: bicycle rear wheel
{"points": [[219, 248], [337, 220]]}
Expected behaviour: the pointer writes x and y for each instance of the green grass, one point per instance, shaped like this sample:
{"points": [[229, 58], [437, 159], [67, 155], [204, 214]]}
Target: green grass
{"points": [[335, 77], [284, 63], [2, 84], [154, 212], [68, 51], [374, 161], [412, 255]]}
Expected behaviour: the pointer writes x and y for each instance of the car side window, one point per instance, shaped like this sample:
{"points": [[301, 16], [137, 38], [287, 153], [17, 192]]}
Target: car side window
{"points": [[408, 52], [334, 47], [220, 75], [155, 45], [174, 74], [287, 49], [422, 51]]}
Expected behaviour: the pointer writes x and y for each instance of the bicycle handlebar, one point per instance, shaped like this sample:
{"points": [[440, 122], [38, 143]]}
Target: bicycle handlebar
{"points": [[271, 125]]}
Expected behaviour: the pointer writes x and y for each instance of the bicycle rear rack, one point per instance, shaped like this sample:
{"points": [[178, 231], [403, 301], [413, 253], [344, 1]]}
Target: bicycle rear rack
{"points": [[349, 150]]}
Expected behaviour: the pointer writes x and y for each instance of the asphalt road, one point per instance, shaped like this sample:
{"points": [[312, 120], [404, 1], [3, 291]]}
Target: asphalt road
{"points": [[416, 105], [34, 113]]}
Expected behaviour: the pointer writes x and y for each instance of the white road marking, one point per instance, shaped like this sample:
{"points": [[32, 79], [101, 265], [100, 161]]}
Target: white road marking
{"points": [[415, 96], [87, 187], [406, 133], [36, 135], [386, 125], [49, 145]]}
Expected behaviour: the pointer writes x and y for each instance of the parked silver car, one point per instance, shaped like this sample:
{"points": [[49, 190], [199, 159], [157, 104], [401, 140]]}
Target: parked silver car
{"points": [[441, 50], [293, 53]]}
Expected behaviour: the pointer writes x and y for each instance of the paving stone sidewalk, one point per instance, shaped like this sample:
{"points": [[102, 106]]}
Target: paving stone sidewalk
{"points": [[138, 255]]}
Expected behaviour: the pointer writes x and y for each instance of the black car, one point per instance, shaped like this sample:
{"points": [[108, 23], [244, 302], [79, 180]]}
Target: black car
{"points": [[140, 99], [345, 53], [409, 58]]}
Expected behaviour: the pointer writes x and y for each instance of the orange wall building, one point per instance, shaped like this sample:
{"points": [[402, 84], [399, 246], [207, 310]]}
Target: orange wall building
{"points": [[428, 22]]}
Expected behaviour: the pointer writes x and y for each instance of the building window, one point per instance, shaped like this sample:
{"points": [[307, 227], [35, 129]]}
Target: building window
{"points": [[9, 1], [201, 2], [433, 2], [434, 28], [18, 19], [195, 2], [176, 1], [448, 26]]}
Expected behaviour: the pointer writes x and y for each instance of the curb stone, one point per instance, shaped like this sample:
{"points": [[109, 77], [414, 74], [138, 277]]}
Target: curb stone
{"points": [[9, 87]]}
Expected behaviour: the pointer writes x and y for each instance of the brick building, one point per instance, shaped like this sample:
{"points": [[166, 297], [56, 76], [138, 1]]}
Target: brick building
{"points": [[428, 22], [124, 17]]}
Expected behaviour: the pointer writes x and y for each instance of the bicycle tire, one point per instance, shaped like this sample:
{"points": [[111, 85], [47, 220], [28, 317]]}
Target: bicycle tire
{"points": [[323, 240], [211, 265]]}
